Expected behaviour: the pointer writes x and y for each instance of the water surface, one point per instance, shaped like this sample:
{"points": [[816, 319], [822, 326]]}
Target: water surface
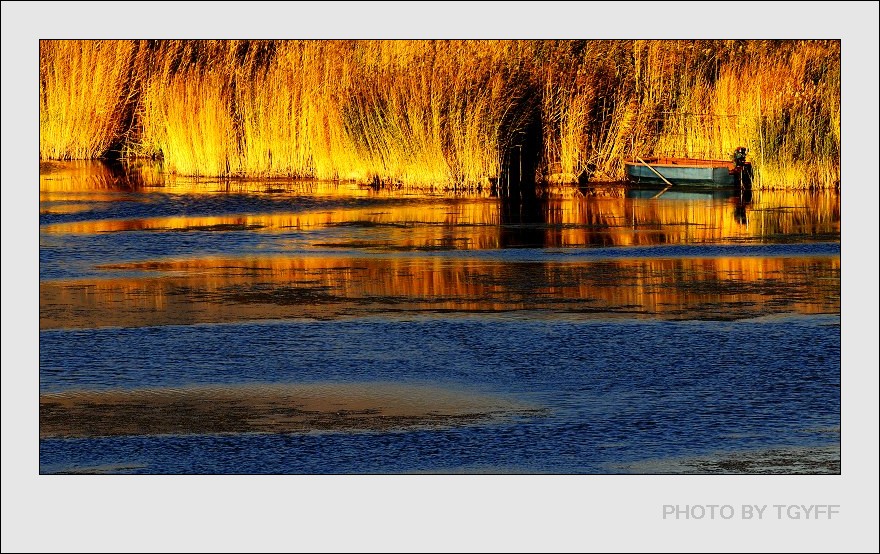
{"points": [[203, 326]]}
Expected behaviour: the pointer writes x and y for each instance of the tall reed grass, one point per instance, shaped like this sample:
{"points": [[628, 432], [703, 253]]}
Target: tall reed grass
{"points": [[441, 113], [85, 89]]}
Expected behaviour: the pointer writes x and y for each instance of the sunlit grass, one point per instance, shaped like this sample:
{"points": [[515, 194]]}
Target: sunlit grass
{"points": [[84, 89], [779, 99], [436, 114]]}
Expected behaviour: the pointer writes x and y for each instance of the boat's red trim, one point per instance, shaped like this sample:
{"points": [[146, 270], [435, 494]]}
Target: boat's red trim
{"points": [[683, 162]]}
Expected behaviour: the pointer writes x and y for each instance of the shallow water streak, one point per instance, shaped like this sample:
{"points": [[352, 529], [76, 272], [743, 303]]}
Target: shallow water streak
{"points": [[263, 408]]}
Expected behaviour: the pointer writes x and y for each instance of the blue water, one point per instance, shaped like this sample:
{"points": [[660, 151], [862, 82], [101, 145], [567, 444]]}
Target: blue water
{"points": [[614, 392]]}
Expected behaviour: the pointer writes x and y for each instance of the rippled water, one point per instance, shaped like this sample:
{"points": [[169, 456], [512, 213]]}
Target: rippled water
{"points": [[620, 331]]}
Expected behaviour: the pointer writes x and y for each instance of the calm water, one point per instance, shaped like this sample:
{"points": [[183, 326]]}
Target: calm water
{"points": [[583, 331]]}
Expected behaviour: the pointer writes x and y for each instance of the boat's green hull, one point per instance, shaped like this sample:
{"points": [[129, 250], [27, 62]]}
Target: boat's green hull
{"points": [[681, 175]]}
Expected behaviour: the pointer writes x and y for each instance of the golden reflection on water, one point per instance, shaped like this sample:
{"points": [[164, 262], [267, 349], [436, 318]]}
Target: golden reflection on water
{"points": [[144, 176], [217, 290], [465, 225], [69, 208], [624, 221], [563, 217], [342, 282]]}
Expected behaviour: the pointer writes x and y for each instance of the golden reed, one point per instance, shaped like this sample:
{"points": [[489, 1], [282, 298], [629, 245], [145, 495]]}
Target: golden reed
{"points": [[435, 113]]}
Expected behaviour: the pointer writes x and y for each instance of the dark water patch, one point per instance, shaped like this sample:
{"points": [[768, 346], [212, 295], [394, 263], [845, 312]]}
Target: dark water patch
{"points": [[817, 460], [352, 244], [443, 246], [351, 407], [280, 296], [220, 227], [371, 224], [115, 469], [135, 205]]}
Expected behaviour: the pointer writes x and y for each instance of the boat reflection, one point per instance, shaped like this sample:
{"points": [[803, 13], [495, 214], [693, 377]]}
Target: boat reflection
{"points": [[739, 197], [741, 202], [691, 193]]}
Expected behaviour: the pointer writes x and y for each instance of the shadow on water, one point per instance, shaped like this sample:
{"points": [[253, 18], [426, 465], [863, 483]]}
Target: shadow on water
{"points": [[111, 175], [523, 218]]}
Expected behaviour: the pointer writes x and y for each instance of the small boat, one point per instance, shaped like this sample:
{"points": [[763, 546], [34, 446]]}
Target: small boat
{"points": [[691, 171]]}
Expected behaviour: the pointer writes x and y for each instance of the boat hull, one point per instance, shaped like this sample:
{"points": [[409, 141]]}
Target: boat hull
{"points": [[707, 173]]}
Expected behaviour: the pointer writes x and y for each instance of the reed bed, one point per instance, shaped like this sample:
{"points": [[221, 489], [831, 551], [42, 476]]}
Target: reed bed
{"points": [[440, 114], [85, 90]]}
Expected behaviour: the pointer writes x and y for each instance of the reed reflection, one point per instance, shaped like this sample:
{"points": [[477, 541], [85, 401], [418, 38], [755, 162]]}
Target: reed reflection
{"points": [[636, 218], [220, 290], [396, 219], [515, 222], [89, 177]]}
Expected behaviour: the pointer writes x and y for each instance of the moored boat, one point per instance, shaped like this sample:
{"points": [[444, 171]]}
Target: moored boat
{"points": [[691, 171]]}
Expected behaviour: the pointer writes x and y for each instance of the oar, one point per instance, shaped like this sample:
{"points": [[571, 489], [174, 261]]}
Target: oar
{"points": [[657, 173]]}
